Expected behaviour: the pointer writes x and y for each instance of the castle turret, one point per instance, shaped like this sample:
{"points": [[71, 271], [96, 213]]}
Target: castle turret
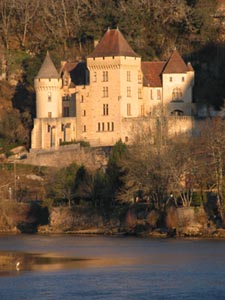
{"points": [[114, 69], [47, 85]]}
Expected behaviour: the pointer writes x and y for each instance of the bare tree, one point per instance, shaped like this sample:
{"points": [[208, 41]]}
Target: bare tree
{"points": [[213, 141], [26, 11], [7, 8]]}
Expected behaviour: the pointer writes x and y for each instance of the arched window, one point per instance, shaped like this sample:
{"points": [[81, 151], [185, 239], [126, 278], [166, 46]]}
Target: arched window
{"points": [[177, 94]]}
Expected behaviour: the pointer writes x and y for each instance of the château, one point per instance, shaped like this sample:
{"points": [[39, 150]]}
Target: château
{"points": [[103, 99]]}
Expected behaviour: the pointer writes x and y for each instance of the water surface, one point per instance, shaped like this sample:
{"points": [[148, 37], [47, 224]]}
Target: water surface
{"points": [[71, 267]]}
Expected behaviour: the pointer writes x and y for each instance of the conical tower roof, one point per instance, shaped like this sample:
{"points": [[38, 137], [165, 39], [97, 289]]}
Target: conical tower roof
{"points": [[175, 64], [113, 44], [48, 69]]}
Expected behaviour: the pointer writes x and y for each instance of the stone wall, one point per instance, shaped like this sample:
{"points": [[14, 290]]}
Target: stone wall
{"points": [[93, 158]]}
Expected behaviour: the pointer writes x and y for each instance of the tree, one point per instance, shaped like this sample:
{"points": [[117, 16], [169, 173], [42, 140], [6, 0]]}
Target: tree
{"points": [[25, 11], [11, 128], [146, 173], [61, 185], [212, 143], [114, 171]]}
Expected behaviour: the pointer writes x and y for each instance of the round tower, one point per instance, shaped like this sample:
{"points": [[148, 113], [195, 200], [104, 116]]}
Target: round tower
{"points": [[48, 85]]}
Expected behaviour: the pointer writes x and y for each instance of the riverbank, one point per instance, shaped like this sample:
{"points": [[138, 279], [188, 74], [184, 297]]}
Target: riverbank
{"points": [[135, 220]]}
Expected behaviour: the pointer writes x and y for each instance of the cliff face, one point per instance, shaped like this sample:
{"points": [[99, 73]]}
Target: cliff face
{"points": [[136, 220], [21, 217], [78, 219]]}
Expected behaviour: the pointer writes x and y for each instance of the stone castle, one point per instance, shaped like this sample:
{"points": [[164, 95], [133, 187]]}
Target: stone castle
{"points": [[103, 99]]}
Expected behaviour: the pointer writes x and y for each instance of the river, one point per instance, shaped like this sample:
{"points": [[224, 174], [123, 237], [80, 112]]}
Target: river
{"points": [[110, 268]]}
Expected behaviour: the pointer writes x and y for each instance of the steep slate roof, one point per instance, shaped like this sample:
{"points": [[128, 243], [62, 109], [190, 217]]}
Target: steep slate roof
{"points": [[152, 71], [113, 44], [78, 72], [48, 69], [175, 64], [69, 66], [189, 67]]}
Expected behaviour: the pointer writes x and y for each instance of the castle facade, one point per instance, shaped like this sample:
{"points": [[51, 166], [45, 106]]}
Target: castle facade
{"points": [[103, 99]]}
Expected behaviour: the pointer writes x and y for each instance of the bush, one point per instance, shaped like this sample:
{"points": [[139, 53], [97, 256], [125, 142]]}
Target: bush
{"points": [[197, 199]]}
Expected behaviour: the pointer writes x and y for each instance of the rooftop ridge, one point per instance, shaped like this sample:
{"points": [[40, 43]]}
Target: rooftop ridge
{"points": [[113, 43], [175, 64]]}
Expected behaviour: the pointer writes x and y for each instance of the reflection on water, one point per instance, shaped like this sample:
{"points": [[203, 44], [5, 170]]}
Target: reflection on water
{"points": [[82, 268], [12, 262], [20, 261]]}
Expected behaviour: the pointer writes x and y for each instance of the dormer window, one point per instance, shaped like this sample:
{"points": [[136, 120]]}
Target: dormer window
{"points": [[171, 79], [65, 81]]}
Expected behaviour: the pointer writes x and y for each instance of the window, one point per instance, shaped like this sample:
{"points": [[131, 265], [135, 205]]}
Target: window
{"points": [[105, 76], [49, 96], [48, 128], [128, 76], [139, 93], [66, 111], [142, 110], [128, 109], [84, 128], [177, 94], [151, 94], [94, 77], [49, 114], [62, 127], [128, 91], [126, 139], [183, 79], [158, 95], [82, 98], [139, 77], [105, 91], [105, 126], [66, 98], [105, 109], [171, 79], [65, 81], [84, 113]]}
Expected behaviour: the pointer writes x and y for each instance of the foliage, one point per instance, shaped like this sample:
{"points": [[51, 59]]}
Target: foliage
{"points": [[84, 144], [150, 25], [114, 171], [11, 128], [61, 185], [176, 170]]}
